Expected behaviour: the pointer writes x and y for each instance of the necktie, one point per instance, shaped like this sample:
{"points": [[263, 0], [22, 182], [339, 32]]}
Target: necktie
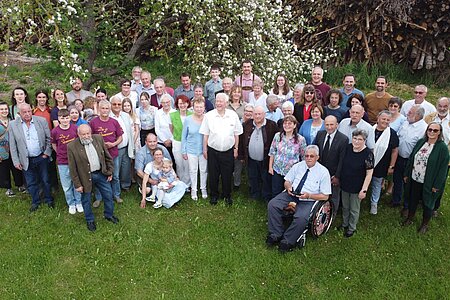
{"points": [[326, 148], [298, 190]]}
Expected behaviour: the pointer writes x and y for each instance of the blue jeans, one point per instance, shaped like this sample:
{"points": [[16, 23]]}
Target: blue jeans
{"points": [[259, 179], [115, 183], [72, 196], [36, 176], [277, 184], [125, 168], [376, 189], [104, 187]]}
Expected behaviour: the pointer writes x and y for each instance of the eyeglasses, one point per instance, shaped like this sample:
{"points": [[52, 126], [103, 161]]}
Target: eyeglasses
{"points": [[433, 130], [394, 105], [309, 93], [248, 111], [309, 156], [126, 84], [418, 92], [116, 104]]}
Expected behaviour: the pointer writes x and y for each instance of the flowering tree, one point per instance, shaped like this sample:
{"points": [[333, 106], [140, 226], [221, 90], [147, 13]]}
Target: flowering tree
{"points": [[92, 38]]}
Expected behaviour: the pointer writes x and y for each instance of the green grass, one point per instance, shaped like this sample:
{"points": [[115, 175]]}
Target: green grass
{"points": [[196, 251]]}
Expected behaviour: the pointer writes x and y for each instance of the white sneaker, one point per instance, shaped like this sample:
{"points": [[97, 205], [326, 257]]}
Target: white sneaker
{"points": [[204, 194], [150, 198], [157, 205], [194, 196], [79, 208], [373, 209], [10, 193], [72, 209]]}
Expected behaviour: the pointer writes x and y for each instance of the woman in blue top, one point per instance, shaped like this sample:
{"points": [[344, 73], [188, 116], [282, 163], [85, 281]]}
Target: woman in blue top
{"points": [[75, 116], [311, 126], [192, 148]]}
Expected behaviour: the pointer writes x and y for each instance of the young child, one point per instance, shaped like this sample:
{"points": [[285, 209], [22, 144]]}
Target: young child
{"points": [[61, 135], [167, 180]]}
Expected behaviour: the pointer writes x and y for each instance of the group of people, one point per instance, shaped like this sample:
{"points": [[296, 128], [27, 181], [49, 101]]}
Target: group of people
{"points": [[301, 145]]}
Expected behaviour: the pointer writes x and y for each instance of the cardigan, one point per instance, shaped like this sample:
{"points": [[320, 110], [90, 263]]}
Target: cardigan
{"points": [[305, 130], [435, 174]]}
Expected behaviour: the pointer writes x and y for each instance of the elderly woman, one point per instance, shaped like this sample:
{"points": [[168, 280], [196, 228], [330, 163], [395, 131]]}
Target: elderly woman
{"points": [[248, 112], [177, 118], [151, 172], [310, 127], [287, 148], [162, 123], [397, 119], [297, 95], [281, 88], [426, 174], [302, 109], [192, 149], [355, 179], [385, 155], [257, 97], [287, 108], [334, 97]]}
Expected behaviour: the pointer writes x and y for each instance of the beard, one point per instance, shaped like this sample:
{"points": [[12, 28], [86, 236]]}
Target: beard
{"points": [[86, 141]]}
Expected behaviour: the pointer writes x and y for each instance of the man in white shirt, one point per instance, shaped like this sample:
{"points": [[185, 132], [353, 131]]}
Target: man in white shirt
{"points": [[221, 129], [411, 131], [306, 182], [348, 125], [420, 92]]}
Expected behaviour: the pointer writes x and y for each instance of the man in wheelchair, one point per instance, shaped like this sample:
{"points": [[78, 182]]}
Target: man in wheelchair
{"points": [[307, 185]]}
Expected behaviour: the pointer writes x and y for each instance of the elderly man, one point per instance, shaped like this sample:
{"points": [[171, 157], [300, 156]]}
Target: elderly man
{"points": [[29, 141], [408, 135], [273, 112], [385, 153], [221, 129], [348, 125], [126, 147], [136, 77], [112, 132], [77, 91], [245, 80], [306, 182], [185, 88], [420, 92], [227, 83], [441, 117], [332, 146], [348, 90], [146, 86], [160, 90], [144, 155], [321, 87], [256, 140], [378, 100], [90, 165]]}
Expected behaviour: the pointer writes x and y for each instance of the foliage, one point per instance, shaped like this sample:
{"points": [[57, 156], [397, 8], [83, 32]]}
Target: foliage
{"points": [[99, 37]]}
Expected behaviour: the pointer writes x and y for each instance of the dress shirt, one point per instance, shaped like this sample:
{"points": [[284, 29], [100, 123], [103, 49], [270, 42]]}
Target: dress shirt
{"points": [[125, 122], [92, 155], [345, 126], [162, 125], [408, 136], [317, 182], [140, 88], [32, 139], [211, 87], [445, 122], [427, 106], [221, 130]]}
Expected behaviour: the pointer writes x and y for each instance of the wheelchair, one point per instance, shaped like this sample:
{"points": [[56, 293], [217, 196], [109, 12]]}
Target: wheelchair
{"points": [[320, 219]]}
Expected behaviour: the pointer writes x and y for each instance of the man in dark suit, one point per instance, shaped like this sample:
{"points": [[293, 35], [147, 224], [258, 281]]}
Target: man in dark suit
{"points": [[29, 139], [331, 158], [90, 164]]}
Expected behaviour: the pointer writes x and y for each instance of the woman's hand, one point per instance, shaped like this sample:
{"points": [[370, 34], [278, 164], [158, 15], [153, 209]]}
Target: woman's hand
{"points": [[270, 170], [143, 203], [362, 194]]}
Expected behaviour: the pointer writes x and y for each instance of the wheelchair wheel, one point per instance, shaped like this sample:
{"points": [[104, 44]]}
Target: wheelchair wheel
{"points": [[321, 218]]}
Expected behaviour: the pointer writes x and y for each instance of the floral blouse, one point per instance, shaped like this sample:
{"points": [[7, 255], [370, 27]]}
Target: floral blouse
{"points": [[286, 152], [420, 162]]}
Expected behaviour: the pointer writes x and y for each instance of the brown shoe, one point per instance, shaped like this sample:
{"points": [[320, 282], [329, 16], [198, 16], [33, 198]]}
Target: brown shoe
{"points": [[96, 203]]}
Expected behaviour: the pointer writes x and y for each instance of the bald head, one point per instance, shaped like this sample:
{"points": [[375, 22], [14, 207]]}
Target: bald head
{"points": [[356, 113], [442, 106], [331, 124]]}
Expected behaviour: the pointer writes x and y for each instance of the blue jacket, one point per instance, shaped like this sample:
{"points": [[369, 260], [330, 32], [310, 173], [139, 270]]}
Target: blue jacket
{"points": [[305, 131]]}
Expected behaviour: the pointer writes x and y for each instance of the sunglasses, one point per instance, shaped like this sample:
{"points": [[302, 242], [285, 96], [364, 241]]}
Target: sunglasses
{"points": [[417, 92], [394, 105], [433, 130], [309, 93]]}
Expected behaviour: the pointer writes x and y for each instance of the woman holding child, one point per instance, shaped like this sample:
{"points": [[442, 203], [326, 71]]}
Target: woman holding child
{"points": [[151, 173]]}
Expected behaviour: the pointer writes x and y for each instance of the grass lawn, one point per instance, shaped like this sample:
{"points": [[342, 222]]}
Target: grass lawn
{"points": [[196, 251]]}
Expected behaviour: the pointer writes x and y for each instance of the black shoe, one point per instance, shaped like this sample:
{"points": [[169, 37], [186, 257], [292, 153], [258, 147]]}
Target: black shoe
{"points": [[34, 208], [340, 227], [91, 226], [271, 241], [228, 201], [349, 233], [285, 247], [213, 200], [112, 219], [51, 204]]}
